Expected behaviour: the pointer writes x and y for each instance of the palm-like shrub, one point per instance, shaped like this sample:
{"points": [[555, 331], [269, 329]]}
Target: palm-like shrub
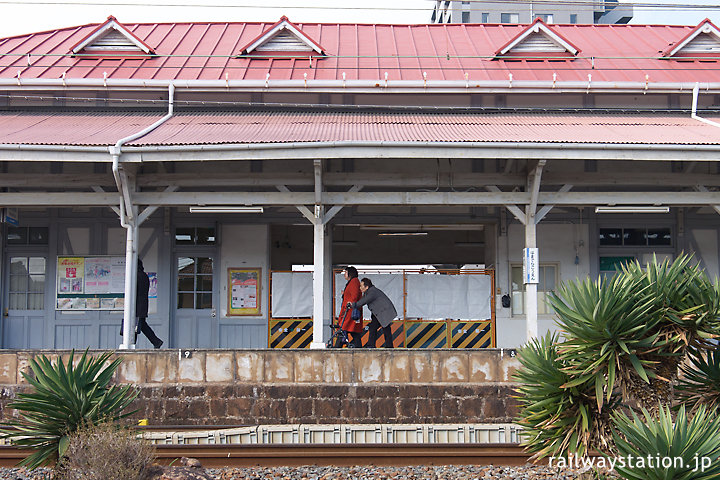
{"points": [[700, 382], [556, 419], [624, 339], [687, 306], [609, 328], [667, 450], [65, 398]]}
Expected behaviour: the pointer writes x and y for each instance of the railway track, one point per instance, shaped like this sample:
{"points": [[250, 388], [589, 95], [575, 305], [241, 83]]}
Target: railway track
{"points": [[239, 455]]}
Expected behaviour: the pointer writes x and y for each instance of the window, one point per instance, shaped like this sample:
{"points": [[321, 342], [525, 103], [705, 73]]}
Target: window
{"points": [[195, 236], [27, 283], [635, 237], [509, 18], [546, 17], [610, 265], [27, 236], [485, 17], [465, 17], [195, 282], [548, 280], [573, 18]]}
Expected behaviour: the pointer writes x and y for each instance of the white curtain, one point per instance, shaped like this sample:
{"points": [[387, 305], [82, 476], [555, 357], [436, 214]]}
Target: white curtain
{"points": [[292, 294], [458, 297]]}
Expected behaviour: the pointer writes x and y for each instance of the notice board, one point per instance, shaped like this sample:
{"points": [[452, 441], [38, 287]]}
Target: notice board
{"points": [[244, 291]]}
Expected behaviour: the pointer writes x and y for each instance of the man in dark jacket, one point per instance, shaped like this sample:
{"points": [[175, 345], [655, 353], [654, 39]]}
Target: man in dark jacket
{"points": [[141, 307], [382, 310]]}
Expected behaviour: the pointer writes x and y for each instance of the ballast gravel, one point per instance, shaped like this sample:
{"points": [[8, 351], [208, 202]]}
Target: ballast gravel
{"points": [[445, 472]]}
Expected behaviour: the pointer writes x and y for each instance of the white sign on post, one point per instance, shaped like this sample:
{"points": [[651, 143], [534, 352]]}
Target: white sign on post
{"points": [[531, 265], [10, 216]]}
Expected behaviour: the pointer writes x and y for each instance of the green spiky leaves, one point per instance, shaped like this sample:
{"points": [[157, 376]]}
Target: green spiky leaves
{"points": [[66, 396]]}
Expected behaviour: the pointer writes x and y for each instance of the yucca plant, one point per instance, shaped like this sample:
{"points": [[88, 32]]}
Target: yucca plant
{"points": [[700, 382], [656, 448], [687, 306], [609, 326], [65, 398], [556, 419]]}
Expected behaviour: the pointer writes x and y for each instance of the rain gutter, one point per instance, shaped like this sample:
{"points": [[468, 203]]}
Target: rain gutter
{"points": [[693, 115], [116, 151], [364, 85], [129, 221]]}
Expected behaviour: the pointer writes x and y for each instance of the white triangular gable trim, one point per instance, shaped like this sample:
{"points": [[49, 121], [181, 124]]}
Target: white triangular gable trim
{"points": [[706, 30], [112, 25], [277, 30], [539, 28]]}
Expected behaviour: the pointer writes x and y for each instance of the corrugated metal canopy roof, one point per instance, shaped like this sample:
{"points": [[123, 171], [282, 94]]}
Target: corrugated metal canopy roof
{"points": [[313, 126], [208, 51]]}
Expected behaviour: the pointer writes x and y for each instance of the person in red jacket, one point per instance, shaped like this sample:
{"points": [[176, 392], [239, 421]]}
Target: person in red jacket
{"points": [[351, 294]]}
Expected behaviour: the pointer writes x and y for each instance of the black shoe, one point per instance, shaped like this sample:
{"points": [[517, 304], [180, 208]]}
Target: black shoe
{"points": [[158, 345]]}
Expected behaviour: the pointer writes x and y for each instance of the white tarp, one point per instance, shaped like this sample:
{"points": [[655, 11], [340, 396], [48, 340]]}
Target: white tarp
{"points": [[292, 295], [458, 297], [429, 296], [390, 283]]}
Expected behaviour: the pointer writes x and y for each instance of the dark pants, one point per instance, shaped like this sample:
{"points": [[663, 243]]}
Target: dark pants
{"points": [[387, 333], [142, 326]]}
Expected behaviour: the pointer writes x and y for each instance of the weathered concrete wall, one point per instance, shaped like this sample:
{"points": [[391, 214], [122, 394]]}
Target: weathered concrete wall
{"points": [[222, 387]]}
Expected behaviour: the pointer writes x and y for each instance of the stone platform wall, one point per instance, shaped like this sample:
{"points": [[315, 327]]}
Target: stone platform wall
{"points": [[251, 387]]}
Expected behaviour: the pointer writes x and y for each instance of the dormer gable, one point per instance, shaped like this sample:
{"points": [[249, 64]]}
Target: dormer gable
{"points": [[537, 39], [112, 37], [284, 37], [702, 41]]}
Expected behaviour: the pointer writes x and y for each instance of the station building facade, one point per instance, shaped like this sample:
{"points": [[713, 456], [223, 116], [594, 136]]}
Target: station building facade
{"points": [[224, 154]]}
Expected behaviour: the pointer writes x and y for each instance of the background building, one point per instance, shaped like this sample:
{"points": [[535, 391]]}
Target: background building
{"points": [[601, 11]]}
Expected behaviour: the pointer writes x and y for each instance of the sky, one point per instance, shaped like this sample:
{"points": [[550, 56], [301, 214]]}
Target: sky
{"points": [[19, 17]]}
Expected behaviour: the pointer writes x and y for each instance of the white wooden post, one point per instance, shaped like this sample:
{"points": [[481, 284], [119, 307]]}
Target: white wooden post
{"points": [[318, 279], [130, 282], [531, 296]]}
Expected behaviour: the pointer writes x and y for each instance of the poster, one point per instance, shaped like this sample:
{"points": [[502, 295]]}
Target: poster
{"points": [[92, 283], [152, 292], [70, 274], [97, 275], [244, 291]]}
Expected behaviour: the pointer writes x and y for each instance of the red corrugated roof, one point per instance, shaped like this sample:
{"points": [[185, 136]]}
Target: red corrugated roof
{"points": [[284, 127], [446, 52]]}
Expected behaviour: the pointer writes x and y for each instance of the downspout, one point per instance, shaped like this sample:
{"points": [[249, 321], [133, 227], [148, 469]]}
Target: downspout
{"points": [[693, 115], [128, 220]]}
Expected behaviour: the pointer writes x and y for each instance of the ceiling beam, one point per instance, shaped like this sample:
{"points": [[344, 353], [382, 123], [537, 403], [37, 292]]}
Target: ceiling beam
{"points": [[362, 198]]}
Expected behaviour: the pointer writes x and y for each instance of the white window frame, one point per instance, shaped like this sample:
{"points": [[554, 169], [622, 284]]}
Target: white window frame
{"points": [[517, 296]]}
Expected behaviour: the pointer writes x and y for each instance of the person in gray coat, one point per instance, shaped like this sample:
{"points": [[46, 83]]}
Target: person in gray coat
{"points": [[382, 312]]}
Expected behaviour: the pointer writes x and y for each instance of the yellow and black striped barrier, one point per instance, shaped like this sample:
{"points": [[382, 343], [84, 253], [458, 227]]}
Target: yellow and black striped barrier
{"points": [[431, 334], [291, 333], [297, 333], [398, 334], [471, 334]]}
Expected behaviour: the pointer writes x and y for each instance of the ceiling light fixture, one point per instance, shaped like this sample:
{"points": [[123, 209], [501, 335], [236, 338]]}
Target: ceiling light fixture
{"points": [[226, 209], [632, 209], [402, 234], [469, 244]]}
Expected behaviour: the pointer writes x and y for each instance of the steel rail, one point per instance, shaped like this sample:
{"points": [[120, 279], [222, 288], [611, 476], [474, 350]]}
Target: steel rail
{"points": [[293, 455]]}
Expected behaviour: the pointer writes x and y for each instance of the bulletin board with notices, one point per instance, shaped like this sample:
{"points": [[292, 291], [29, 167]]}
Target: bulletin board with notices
{"points": [[93, 283]]}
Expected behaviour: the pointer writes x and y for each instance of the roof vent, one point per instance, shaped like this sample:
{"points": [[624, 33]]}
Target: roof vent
{"points": [[538, 42], [703, 40], [112, 36], [284, 36], [284, 41], [538, 37], [112, 40]]}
